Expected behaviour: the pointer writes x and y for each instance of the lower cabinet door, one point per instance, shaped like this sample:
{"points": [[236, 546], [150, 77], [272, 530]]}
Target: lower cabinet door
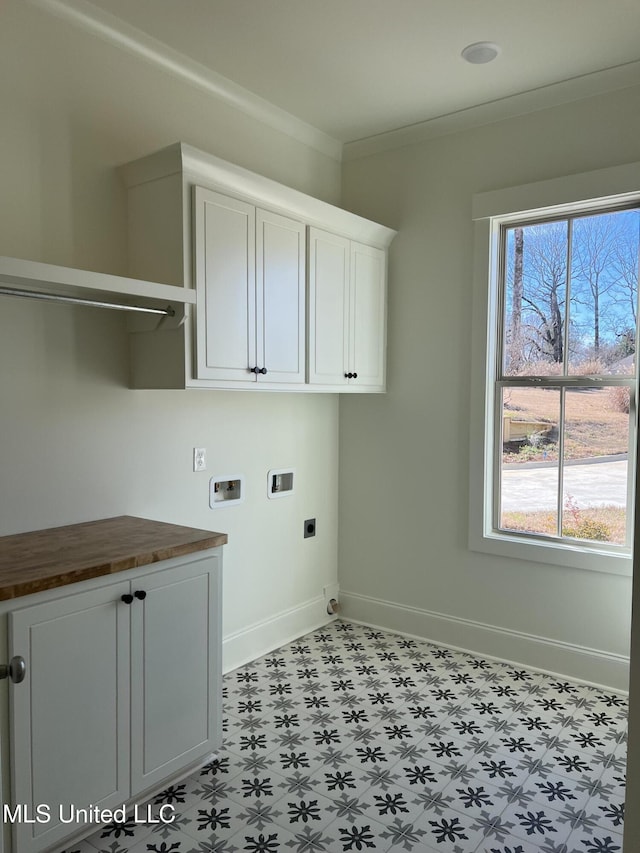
{"points": [[175, 669], [70, 715]]}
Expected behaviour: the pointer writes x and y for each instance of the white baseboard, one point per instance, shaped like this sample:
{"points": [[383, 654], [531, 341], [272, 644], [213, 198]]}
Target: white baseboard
{"points": [[583, 664], [262, 637]]}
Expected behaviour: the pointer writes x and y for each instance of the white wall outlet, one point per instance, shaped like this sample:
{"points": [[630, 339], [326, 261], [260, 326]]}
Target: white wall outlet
{"points": [[199, 459]]}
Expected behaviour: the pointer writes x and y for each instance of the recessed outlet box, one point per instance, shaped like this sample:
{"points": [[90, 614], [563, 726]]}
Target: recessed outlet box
{"points": [[280, 482], [226, 491], [309, 528]]}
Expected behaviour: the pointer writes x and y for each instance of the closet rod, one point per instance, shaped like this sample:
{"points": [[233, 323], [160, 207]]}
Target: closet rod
{"points": [[79, 300]]}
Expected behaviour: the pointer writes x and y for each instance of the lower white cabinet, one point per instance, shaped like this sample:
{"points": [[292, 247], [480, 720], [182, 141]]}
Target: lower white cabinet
{"points": [[122, 691]]}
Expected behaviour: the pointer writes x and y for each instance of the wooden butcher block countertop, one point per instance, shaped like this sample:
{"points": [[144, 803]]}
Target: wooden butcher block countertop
{"points": [[44, 559]]}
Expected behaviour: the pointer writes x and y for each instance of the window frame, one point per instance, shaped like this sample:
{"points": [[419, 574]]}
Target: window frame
{"points": [[591, 192]]}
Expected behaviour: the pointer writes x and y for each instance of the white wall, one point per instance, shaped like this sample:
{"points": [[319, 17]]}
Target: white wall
{"points": [[75, 442], [404, 470]]}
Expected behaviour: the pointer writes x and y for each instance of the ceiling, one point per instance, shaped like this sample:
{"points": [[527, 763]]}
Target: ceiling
{"points": [[357, 68]]}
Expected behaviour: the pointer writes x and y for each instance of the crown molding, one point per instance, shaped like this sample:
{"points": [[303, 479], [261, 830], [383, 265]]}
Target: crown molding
{"points": [[117, 32], [544, 97]]}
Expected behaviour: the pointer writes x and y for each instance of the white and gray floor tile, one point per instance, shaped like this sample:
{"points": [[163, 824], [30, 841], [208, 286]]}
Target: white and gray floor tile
{"points": [[355, 739]]}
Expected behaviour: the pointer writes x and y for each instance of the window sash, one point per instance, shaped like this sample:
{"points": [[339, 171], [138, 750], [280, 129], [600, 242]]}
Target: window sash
{"points": [[498, 283], [562, 383]]}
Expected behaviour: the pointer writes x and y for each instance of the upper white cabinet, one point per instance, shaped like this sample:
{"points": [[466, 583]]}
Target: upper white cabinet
{"points": [[265, 316], [347, 311], [250, 286]]}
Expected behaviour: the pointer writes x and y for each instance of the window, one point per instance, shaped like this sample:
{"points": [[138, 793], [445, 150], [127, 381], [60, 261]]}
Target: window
{"points": [[557, 411], [565, 377]]}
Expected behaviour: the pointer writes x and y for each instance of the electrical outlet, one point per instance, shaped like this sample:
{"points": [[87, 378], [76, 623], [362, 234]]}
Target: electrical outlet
{"points": [[199, 459], [309, 528]]}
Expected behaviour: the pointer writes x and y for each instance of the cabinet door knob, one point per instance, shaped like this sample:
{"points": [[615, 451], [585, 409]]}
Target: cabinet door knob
{"points": [[354, 375], [254, 370], [263, 371], [16, 669], [127, 598], [140, 594], [347, 376]]}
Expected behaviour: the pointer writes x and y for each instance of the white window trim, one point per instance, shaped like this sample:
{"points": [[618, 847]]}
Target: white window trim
{"points": [[570, 194]]}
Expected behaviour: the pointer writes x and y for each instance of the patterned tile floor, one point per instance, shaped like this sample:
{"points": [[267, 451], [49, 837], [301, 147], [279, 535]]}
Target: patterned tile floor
{"points": [[353, 739]]}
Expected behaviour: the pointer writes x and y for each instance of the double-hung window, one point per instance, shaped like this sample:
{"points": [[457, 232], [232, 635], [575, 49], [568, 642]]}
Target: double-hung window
{"points": [[557, 415]]}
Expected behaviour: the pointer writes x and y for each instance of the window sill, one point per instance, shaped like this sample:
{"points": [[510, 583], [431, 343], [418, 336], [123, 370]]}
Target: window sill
{"points": [[561, 554]]}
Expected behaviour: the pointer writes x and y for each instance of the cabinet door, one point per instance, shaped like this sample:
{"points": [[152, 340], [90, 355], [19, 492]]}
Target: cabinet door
{"points": [[70, 716], [175, 670], [329, 258], [280, 291], [225, 287], [367, 313]]}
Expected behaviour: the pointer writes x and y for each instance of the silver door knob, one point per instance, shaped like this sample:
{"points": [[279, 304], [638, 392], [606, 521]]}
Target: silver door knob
{"points": [[16, 669]]}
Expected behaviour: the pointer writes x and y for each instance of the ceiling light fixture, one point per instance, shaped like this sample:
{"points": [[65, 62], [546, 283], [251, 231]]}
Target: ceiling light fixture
{"points": [[480, 52]]}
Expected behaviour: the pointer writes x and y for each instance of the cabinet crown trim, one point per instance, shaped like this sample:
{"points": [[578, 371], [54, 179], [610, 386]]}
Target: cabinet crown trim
{"points": [[198, 166]]}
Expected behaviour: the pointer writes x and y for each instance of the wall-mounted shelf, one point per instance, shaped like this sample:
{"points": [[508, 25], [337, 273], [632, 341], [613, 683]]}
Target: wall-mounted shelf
{"points": [[50, 282]]}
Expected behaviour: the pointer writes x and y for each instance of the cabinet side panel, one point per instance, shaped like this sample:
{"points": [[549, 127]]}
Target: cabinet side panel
{"points": [[328, 307], [157, 358], [155, 229], [156, 253]]}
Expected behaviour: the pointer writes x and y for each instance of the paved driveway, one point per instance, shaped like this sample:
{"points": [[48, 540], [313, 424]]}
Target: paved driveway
{"points": [[589, 484]]}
